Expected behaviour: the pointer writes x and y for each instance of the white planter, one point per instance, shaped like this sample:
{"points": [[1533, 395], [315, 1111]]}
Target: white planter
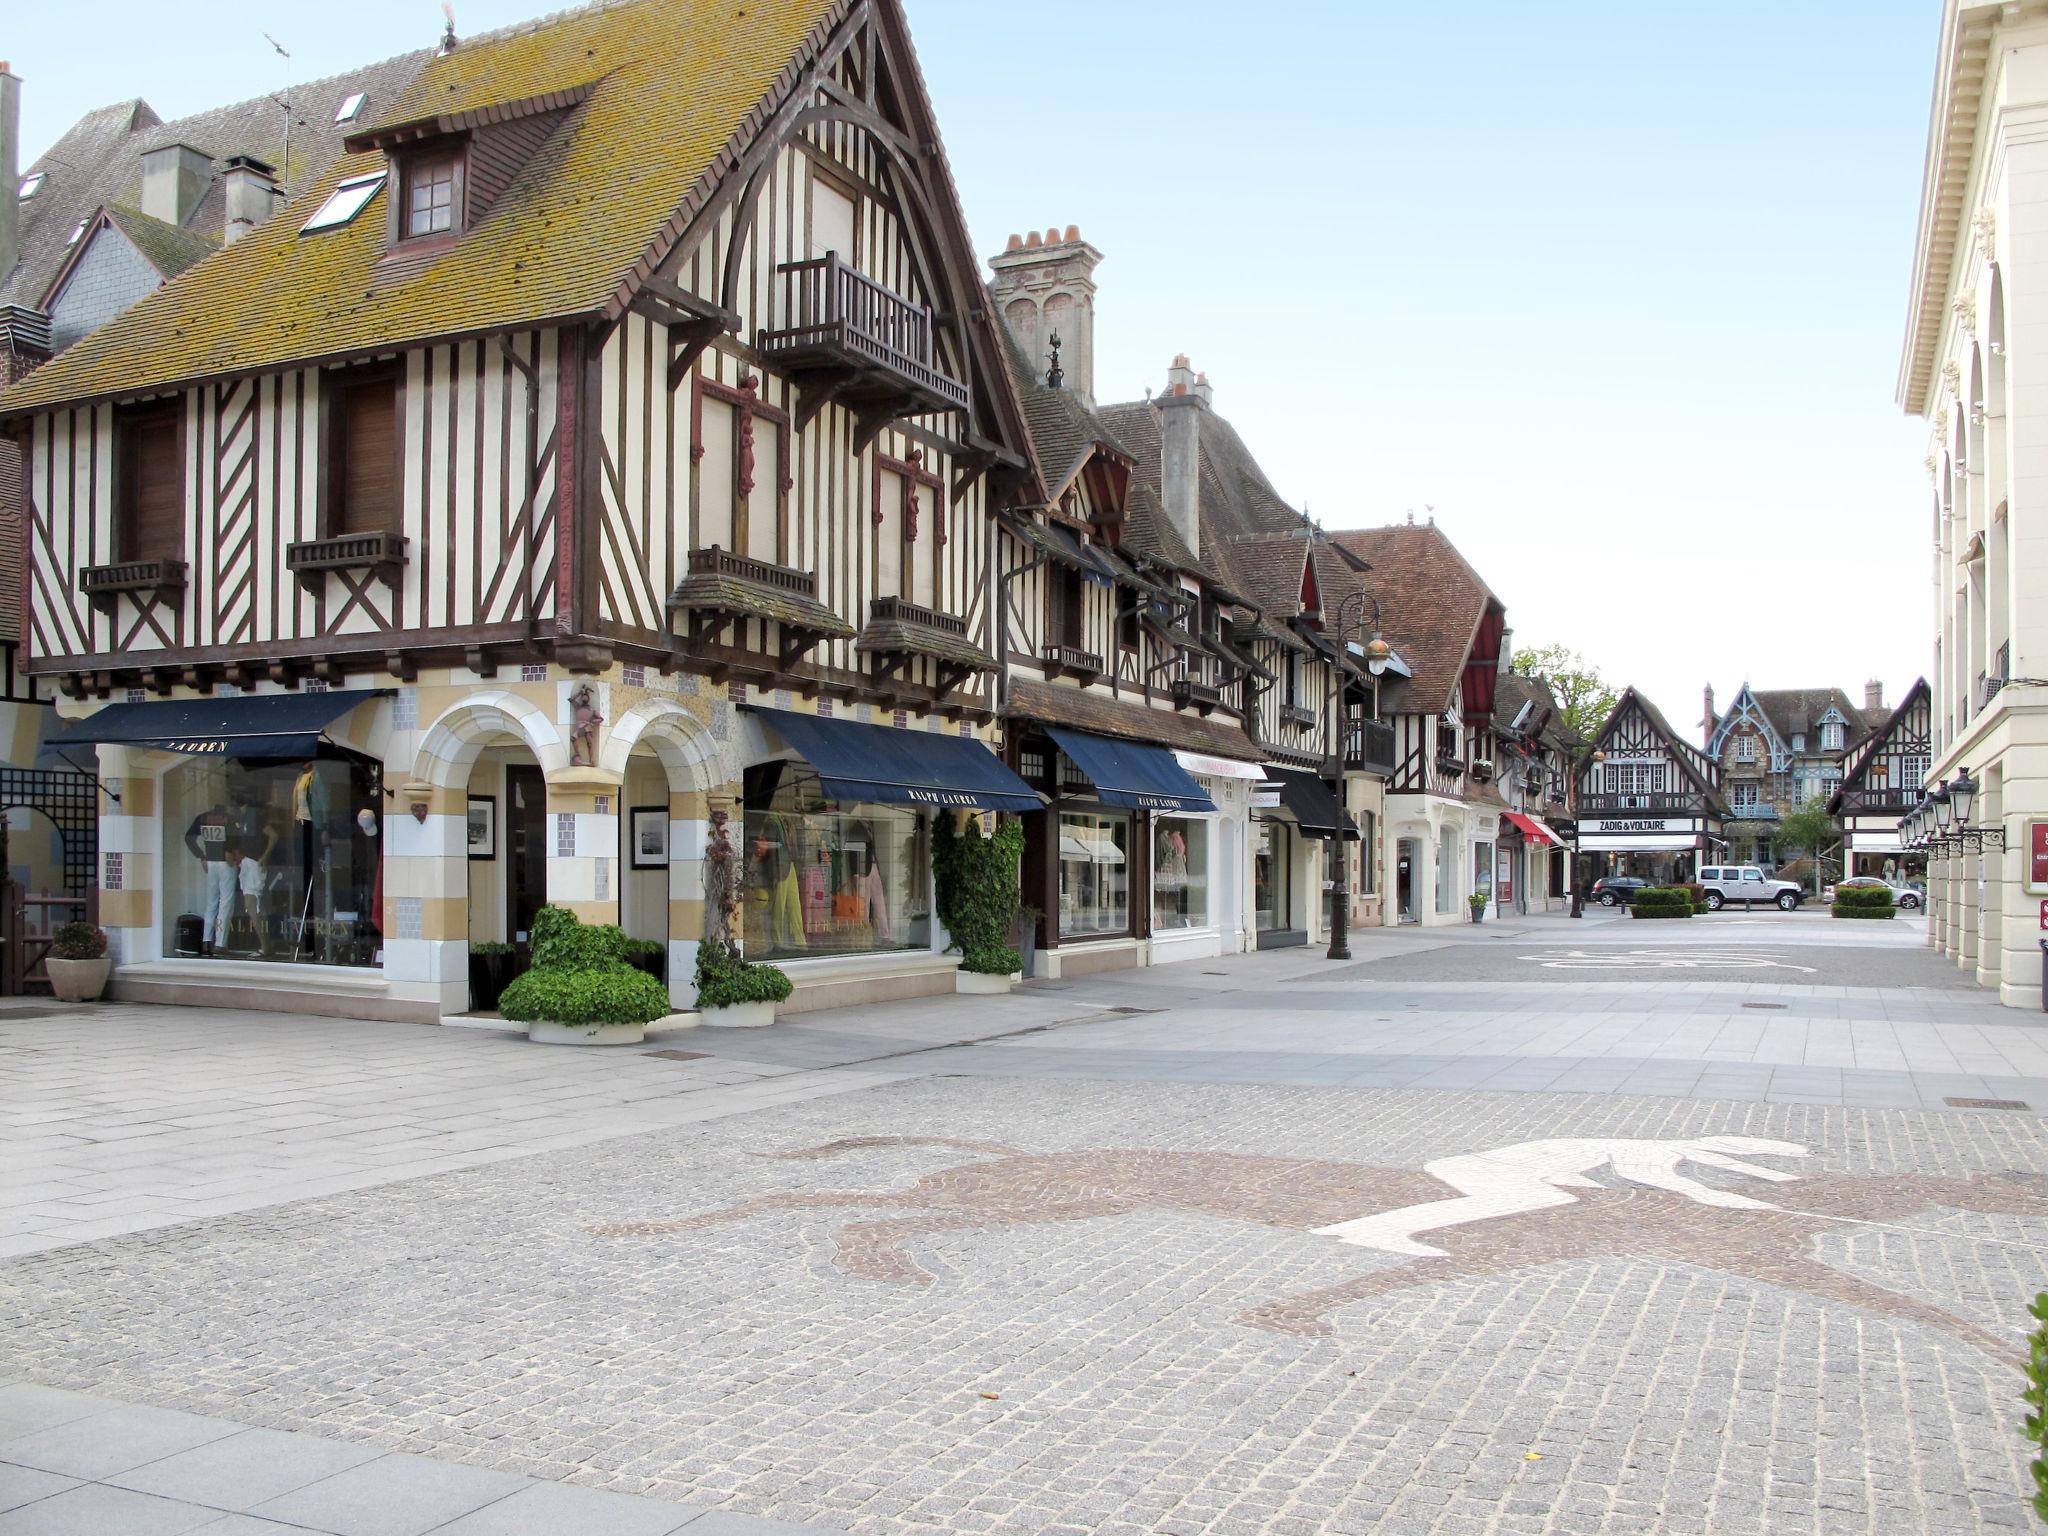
{"points": [[545, 1033], [738, 1016], [79, 981], [978, 984]]}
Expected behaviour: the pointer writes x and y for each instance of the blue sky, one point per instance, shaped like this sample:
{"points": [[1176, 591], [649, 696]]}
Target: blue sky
{"points": [[1617, 290]]}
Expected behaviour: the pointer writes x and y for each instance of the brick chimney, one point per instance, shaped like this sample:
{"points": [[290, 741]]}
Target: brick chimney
{"points": [[1873, 697], [1181, 409], [252, 193], [1708, 721], [174, 179], [1044, 282], [10, 170]]}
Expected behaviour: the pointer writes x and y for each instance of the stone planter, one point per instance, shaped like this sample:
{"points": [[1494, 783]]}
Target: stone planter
{"points": [[545, 1033], [738, 1016], [79, 981], [978, 984]]}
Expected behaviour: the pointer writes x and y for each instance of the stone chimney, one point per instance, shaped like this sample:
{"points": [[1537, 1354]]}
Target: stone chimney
{"points": [[1708, 722], [10, 170], [1045, 283], [252, 193], [1873, 697], [1504, 663], [1181, 409], [174, 179]]}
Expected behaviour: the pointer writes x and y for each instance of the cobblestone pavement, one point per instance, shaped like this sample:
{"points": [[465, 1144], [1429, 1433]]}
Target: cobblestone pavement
{"points": [[1147, 1295]]}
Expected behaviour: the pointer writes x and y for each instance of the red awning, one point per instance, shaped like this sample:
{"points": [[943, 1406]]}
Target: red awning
{"points": [[1532, 829]]}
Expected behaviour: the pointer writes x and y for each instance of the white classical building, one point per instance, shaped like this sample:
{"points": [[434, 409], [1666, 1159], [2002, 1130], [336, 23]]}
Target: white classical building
{"points": [[1980, 264]]}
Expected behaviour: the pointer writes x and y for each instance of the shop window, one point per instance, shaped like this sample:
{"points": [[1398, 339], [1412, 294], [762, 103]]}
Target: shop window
{"points": [[362, 457], [273, 860], [1180, 873], [1557, 867], [150, 495], [1095, 873], [1270, 875], [1368, 853], [1447, 875], [1482, 868], [825, 878]]}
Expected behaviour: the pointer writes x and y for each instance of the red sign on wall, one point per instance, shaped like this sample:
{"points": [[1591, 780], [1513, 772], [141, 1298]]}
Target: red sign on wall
{"points": [[2037, 856]]}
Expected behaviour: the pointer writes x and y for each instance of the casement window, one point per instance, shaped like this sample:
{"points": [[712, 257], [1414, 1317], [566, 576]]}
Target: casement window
{"points": [[1064, 593], [431, 203], [835, 220], [1745, 749], [361, 455], [149, 519], [1292, 695], [1831, 736]]}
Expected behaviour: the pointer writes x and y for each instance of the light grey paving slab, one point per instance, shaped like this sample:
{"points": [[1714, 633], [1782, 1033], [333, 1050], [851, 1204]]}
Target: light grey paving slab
{"points": [[24, 1485], [563, 1510], [93, 1509], [26, 1408], [102, 1444], [391, 1496], [243, 1470], [720, 1522], [250, 1525]]}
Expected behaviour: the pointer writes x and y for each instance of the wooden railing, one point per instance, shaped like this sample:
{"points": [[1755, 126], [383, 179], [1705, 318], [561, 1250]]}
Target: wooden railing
{"points": [[27, 925], [382, 552], [902, 611], [1649, 803], [1188, 693], [1368, 746], [103, 584], [1297, 715], [829, 306], [1071, 658], [723, 562]]}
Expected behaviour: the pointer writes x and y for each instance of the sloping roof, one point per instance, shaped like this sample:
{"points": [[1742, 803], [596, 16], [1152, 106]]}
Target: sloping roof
{"points": [[98, 162], [1857, 762], [1052, 704], [1516, 689], [170, 248], [671, 83], [1064, 432], [1692, 762], [1798, 711], [1431, 605]]}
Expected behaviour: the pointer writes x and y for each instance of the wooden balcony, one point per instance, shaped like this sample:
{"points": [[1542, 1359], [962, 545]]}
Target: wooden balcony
{"points": [[1299, 716], [900, 610], [1661, 803], [764, 573], [1085, 665], [1755, 812], [845, 337], [1368, 746], [1190, 694], [311, 560], [157, 580]]}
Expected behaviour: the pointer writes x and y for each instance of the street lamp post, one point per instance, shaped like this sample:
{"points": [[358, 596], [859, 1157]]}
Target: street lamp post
{"points": [[1572, 874], [1377, 655]]}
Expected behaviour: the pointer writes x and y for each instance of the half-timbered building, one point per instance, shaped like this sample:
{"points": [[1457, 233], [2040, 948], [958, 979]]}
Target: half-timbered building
{"points": [[594, 476], [1882, 779], [1779, 749], [1649, 801], [1534, 748]]}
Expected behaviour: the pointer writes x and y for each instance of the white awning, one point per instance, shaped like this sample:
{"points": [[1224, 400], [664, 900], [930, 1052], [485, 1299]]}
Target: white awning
{"points": [[1875, 842], [1603, 843], [1087, 848], [1217, 767]]}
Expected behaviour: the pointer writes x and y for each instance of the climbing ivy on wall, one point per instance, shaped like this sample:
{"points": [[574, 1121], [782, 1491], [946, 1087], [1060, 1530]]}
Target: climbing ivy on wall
{"points": [[976, 876]]}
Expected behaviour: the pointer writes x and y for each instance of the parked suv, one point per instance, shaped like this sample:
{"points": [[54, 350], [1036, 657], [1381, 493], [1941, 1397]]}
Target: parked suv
{"points": [[1617, 890], [1749, 885]]}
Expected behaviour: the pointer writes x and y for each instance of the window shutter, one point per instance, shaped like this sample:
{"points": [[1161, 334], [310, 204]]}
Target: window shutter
{"points": [[369, 458], [153, 489]]}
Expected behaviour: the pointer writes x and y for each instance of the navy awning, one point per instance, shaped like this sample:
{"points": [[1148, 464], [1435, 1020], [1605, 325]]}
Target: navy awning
{"points": [[1131, 773], [1310, 801], [246, 725], [877, 763]]}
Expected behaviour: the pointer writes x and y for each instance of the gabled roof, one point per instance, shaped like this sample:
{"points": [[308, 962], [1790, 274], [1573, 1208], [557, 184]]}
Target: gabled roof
{"points": [[1065, 434], [98, 162], [1546, 722], [1432, 604], [1690, 760], [673, 86], [1783, 713], [1859, 758], [168, 248]]}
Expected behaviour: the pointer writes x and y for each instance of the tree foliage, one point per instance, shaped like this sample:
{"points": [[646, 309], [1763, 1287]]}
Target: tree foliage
{"points": [[976, 880], [1584, 697], [1810, 829]]}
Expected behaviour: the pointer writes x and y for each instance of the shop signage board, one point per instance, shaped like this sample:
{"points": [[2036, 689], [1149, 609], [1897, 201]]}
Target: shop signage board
{"points": [[1640, 824], [2037, 857]]}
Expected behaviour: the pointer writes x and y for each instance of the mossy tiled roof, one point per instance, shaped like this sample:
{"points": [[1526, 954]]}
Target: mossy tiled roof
{"points": [[911, 638], [669, 83], [722, 592]]}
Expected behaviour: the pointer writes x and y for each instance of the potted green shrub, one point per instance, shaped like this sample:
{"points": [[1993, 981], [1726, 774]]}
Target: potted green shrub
{"points": [[1477, 902], [490, 963], [735, 993], [1661, 901], [1863, 901], [975, 878], [78, 963], [579, 989]]}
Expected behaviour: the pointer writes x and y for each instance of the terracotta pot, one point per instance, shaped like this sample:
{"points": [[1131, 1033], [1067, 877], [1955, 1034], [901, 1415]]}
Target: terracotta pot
{"points": [[79, 981]]}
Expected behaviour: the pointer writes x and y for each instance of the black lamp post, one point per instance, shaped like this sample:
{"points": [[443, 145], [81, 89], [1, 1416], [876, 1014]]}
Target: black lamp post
{"points": [[1578, 893], [1377, 654]]}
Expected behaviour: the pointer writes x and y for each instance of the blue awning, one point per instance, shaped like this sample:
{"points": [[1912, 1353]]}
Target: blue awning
{"points": [[1146, 778], [859, 762], [279, 725]]}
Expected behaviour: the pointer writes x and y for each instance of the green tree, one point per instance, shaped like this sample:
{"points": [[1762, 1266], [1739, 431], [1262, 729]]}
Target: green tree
{"points": [[1810, 829], [1584, 697]]}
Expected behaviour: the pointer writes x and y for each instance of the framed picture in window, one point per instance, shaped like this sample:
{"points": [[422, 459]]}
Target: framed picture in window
{"points": [[483, 826], [650, 836]]}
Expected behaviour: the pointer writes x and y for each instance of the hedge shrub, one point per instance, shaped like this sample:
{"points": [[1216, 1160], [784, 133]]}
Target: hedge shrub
{"points": [[1661, 901], [1857, 901], [975, 877], [725, 980], [580, 977]]}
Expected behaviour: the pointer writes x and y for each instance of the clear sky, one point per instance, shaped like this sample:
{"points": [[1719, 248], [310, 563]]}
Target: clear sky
{"points": [[1618, 290]]}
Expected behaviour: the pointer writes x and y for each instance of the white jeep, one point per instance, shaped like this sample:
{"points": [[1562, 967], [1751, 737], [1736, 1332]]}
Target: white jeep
{"points": [[1749, 885]]}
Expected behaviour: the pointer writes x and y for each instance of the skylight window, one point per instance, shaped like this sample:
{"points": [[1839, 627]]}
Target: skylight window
{"points": [[30, 185], [347, 200], [76, 233], [347, 111]]}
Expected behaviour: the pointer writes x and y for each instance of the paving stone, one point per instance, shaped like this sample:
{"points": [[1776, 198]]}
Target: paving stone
{"points": [[24, 1485], [391, 1496], [240, 1471], [115, 1440], [92, 1509]]}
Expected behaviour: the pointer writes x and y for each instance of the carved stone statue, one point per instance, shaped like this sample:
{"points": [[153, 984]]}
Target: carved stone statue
{"points": [[723, 892], [584, 721]]}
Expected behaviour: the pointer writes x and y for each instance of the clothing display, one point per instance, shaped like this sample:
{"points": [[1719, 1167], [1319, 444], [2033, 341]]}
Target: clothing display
{"points": [[220, 901], [831, 880]]}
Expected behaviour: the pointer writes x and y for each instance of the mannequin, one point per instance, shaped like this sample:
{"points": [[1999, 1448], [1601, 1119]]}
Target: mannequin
{"points": [[309, 817], [209, 837]]}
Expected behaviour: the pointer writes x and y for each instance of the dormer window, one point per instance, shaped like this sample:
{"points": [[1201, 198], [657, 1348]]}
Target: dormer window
{"points": [[432, 204]]}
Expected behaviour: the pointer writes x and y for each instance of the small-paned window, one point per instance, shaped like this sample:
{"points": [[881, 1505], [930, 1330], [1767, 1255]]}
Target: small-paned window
{"points": [[430, 193], [30, 185], [149, 522], [362, 453], [349, 198]]}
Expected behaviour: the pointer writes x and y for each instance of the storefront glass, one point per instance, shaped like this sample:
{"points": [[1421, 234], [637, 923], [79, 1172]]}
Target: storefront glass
{"points": [[1270, 874], [273, 860], [1180, 873], [1095, 873], [1482, 868], [1447, 853], [830, 879]]}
